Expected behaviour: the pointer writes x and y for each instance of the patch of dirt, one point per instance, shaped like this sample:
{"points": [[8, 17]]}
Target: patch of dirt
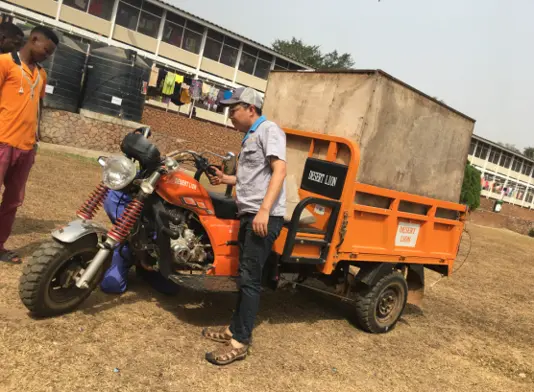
{"points": [[475, 333]]}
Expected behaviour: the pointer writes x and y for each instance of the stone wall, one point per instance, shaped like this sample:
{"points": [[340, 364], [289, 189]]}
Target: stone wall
{"points": [[169, 131], [196, 134]]}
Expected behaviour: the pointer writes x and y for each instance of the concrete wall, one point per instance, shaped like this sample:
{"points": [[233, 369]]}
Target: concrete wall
{"points": [[180, 55], [47, 7], [85, 20], [251, 81], [413, 144], [139, 40], [216, 68], [408, 142]]}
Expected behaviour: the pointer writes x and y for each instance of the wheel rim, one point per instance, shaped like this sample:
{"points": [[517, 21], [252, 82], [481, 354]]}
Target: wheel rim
{"points": [[62, 287], [389, 304]]}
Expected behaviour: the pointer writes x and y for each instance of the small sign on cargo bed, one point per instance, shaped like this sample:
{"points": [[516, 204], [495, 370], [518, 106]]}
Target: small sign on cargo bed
{"points": [[407, 234]]}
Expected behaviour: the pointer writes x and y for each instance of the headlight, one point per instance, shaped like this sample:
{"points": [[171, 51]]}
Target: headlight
{"points": [[118, 172]]}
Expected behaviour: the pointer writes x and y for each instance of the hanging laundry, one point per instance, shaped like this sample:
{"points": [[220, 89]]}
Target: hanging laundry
{"points": [[179, 78], [176, 96], [205, 89], [196, 89], [185, 96], [161, 77], [188, 80], [169, 83], [154, 73]]}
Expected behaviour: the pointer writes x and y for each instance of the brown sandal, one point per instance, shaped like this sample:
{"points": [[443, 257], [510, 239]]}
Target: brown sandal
{"points": [[227, 354], [217, 334]]}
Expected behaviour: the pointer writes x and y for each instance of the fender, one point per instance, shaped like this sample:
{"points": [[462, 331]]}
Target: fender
{"points": [[370, 273], [77, 229]]}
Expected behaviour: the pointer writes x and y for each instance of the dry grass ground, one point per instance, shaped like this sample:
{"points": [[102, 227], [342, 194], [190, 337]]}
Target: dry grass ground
{"points": [[476, 332]]}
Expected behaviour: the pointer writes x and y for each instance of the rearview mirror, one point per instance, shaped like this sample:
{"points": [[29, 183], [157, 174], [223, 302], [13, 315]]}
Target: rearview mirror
{"points": [[230, 164]]}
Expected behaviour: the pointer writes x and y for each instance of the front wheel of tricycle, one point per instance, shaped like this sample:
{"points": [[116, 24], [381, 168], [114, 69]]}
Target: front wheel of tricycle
{"points": [[379, 307], [47, 285]]}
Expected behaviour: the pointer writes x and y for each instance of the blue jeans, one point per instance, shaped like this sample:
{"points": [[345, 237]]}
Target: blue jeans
{"points": [[115, 279], [255, 251]]}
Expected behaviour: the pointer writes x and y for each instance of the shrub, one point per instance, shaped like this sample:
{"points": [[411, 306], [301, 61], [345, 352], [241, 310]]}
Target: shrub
{"points": [[471, 187]]}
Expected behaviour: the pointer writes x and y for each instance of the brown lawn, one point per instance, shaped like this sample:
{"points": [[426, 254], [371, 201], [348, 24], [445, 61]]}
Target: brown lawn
{"points": [[476, 332]]}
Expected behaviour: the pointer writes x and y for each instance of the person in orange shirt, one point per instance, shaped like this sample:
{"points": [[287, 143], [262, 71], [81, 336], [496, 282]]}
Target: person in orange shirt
{"points": [[22, 86]]}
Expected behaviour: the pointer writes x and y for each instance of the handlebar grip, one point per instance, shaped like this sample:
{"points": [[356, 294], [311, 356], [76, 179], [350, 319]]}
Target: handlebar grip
{"points": [[211, 171]]}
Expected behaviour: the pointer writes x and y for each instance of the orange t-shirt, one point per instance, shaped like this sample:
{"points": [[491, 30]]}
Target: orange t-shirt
{"points": [[19, 111]]}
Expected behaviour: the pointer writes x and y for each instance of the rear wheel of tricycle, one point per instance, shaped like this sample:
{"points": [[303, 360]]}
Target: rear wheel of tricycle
{"points": [[379, 307]]}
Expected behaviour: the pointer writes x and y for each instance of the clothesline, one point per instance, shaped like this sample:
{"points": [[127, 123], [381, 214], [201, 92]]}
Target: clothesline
{"points": [[171, 86]]}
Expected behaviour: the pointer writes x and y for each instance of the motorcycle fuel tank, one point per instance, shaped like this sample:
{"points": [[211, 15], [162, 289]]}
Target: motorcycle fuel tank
{"points": [[182, 190]]}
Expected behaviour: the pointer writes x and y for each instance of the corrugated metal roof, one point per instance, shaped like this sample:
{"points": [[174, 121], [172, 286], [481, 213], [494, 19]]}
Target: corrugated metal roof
{"points": [[228, 32]]}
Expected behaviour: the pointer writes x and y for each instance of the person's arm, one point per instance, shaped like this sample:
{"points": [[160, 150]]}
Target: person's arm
{"points": [[221, 178], [278, 167], [275, 150]]}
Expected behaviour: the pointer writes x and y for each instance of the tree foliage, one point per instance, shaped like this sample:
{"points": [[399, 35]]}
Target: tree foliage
{"points": [[471, 187], [312, 55], [529, 152]]}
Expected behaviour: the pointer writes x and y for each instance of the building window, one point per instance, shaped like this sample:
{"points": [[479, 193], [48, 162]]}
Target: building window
{"points": [[255, 62], [516, 166], [174, 30], [527, 168], [214, 44], [471, 146], [140, 16], [221, 48], [506, 159], [284, 65], [494, 156], [183, 33], [482, 151], [78, 4], [101, 8]]}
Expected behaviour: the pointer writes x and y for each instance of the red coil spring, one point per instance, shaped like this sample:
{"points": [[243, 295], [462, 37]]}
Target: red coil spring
{"points": [[121, 229], [88, 210]]}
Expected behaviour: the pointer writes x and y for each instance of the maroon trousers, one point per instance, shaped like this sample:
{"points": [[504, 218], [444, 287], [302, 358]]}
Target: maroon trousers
{"points": [[15, 166]]}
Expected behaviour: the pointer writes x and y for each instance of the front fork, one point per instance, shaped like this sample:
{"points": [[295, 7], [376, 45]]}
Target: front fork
{"points": [[119, 232]]}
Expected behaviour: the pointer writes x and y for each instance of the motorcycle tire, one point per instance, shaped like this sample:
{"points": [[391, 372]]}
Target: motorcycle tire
{"points": [[38, 285]]}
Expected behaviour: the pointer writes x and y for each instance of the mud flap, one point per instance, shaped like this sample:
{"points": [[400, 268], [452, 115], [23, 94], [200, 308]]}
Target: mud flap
{"points": [[416, 285]]}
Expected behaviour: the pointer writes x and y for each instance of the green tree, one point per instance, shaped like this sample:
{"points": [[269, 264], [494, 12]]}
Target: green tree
{"points": [[529, 152], [471, 187], [510, 147], [312, 55]]}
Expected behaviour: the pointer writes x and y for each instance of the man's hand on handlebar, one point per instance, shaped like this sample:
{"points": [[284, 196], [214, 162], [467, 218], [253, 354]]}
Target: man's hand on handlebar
{"points": [[217, 176]]}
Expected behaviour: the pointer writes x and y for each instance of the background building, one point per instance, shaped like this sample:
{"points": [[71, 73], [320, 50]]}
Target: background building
{"points": [[163, 35], [506, 173]]}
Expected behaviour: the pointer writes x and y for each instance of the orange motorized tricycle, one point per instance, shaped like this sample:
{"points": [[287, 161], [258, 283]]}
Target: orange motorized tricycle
{"points": [[361, 243]]}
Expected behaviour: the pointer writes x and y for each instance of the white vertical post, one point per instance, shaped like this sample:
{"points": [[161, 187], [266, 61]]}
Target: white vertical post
{"points": [[58, 11], [238, 61], [201, 53], [160, 32], [113, 19]]}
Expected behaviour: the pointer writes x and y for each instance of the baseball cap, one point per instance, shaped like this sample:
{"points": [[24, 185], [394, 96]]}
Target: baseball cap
{"points": [[244, 95]]}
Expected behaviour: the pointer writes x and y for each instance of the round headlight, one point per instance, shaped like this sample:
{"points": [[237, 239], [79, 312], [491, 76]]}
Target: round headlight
{"points": [[118, 172]]}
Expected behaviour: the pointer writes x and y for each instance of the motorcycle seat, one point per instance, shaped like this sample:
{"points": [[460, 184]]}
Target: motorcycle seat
{"points": [[225, 207]]}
